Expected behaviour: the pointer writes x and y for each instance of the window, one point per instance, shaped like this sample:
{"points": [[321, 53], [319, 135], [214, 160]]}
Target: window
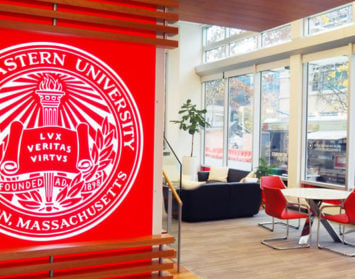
{"points": [[235, 31], [276, 36], [329, 20], [215, 54], [216, 41], [244, 45], [214, 103], [327, 107], [275, 101], [222, 42], [240, 122], [214, 34]]}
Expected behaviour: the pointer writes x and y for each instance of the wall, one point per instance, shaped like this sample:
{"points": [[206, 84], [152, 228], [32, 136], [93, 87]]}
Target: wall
{"points": [[183, 83]]}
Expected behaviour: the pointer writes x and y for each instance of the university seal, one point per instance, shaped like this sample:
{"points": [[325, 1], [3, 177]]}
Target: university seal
{"points": [[70, 141]]}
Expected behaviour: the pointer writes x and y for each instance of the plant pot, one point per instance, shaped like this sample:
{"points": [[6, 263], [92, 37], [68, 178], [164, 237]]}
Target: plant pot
{"points": [[190, 166]]}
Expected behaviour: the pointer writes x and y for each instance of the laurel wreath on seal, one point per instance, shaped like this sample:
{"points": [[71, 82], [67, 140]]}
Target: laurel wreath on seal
{"points": [[102, 155], [4, 178]]}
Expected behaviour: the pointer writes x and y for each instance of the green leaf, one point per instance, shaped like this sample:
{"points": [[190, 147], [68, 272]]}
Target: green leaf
{"points": [[192, 119]]}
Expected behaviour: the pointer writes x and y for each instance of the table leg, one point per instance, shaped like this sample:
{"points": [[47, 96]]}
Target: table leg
{"points": [[315, 206], [305, 231]]}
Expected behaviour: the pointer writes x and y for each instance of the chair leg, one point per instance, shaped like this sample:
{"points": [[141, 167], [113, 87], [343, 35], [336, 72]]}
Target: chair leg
{"points": [[340, 226], [265, 225], [268, 241], [299, 211], [342, 238]]}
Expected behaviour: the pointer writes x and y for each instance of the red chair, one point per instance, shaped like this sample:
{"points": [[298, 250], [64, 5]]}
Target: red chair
{"points": [[277, 183], [346, 218], [278, 207], [339, 203]]}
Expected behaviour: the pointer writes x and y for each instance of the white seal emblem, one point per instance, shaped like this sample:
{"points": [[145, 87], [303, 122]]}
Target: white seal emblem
{"points": [[70, 141]]}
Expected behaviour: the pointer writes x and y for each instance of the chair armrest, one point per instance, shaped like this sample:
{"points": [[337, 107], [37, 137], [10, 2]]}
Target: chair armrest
{"points": [[299, 205], [330, 206]]}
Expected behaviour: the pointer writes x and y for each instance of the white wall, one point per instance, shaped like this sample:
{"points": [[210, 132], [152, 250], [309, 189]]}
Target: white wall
{"points": [[182, 83], [158, 143]]}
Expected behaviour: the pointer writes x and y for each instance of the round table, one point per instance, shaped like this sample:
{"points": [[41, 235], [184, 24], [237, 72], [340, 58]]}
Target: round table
{"points": [[315, 197], [316, 193]]}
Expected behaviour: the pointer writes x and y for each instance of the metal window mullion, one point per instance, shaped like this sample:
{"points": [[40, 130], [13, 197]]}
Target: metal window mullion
{"points": [[203, 138], [226, 121], [257, 120], [350, 150], [203, 51], [306, 27], [259, 40], [305, 93]]}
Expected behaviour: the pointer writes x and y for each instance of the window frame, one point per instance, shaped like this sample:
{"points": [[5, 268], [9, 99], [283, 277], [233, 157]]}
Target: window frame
{"points": [[284, 66], [213, 77], [306, 30], [350, 160]]}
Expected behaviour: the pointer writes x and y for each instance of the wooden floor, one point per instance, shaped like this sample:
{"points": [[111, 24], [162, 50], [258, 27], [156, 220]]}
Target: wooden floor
{"points": [[231, 249], [184, 274]]}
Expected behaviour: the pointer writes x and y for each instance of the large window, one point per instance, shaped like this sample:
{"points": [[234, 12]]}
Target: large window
{"points": [[214, 103], [215, 53], [327, 108], [244, 45], [216, 41], [222, 42], [240, 122], [276, 36], [214, 34], [329, 20], [275, 101]]}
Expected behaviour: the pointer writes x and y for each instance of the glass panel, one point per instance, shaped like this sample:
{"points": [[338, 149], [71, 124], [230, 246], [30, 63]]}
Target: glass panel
{"points": [[215, 54], [327, 120], [275, 101], [172, 169], [234, 31], [276, 36], [244, 45], [215, 34], [329, 20], [240, 122], [214, 94]]}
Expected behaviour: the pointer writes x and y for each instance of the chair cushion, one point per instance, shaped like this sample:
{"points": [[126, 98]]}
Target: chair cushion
{"points": [[219, 174], [291, 214], [188, 184], [339, 218], [251, 177], [236, 175]]}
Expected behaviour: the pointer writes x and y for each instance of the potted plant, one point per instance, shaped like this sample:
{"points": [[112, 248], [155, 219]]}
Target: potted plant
{"points": [[264, 169], [192, 120]]}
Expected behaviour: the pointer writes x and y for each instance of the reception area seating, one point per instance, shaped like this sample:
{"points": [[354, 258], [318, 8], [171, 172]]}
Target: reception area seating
{"points": [[272, 182], [278, 207], [216, 200], [344, 218]]}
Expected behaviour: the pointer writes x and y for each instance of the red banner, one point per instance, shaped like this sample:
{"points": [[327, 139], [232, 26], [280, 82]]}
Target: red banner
{"points": [[74, 120]]}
